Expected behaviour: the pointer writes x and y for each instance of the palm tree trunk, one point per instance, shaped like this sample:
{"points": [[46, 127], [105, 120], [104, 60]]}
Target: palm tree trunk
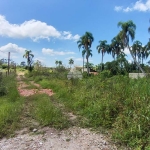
{"points": [[142, 60], [83, 63], [102, 62], [136, 61], [87, 66]]}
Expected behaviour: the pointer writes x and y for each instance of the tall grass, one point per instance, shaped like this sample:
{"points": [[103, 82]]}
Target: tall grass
{"points": [[10, 106], [45, 112], [117, 103]]}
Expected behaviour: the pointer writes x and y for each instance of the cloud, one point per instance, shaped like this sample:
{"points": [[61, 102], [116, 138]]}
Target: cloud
{"points": [[130, 61], [137, 6], [33, 29], [41, 59], [52, 52], [15, 51], [68, 36], [13, 48], [118, 8], [126, 51], [79, 59]]}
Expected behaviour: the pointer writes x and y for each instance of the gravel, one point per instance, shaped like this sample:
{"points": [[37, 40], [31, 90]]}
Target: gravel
{"points": [[74, 138]]}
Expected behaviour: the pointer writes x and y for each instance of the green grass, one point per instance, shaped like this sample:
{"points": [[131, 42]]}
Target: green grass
{"points": [[13, 107], [119, 104], [10, 107], [45, 112]]}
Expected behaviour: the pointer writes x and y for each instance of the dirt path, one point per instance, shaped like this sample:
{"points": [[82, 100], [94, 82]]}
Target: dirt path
{"points": [[74, 138]]}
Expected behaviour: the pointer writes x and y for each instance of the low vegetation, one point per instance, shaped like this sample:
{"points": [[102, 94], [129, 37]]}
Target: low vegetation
{"points": [[10, 105], [115, 103]]}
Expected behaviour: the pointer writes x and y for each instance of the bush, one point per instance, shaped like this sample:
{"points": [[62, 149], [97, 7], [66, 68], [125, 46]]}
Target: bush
{"points": [[105, 74], [4, 66]]}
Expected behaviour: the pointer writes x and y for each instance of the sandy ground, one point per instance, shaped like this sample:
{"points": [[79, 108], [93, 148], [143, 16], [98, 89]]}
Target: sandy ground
{"points": [[74, 138]]}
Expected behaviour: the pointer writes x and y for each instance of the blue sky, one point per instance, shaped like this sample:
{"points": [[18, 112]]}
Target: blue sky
{"points": [[51, 28]]}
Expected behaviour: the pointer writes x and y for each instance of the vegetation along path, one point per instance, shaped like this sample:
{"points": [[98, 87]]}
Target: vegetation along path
{"points": [[42, 120]]}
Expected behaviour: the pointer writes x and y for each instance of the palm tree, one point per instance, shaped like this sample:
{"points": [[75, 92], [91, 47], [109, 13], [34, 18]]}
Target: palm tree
{"points": [[28, 55], [59, 63], [116, 46], [71, 62], [102, 48], [85, 42], [136, 50], [83, 54], [56, 62], [128, 30], [144, 53]]}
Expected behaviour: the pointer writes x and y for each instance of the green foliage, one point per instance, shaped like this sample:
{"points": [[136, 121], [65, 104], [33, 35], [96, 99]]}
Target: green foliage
{"points": [[105, 74], [10, 106], [3, 89], [9, 114], [118, 103], [4, 66], [46, 113]]}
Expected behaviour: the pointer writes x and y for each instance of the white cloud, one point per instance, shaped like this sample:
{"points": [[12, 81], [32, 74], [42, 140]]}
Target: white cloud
{"points": [[15, 51], [118, 8], [137, 6], [127, 9], [33, 29], [79, 59], [41, 59], [68, 36], [52, 52], [126, 51], [130, 61], [13, 48]]}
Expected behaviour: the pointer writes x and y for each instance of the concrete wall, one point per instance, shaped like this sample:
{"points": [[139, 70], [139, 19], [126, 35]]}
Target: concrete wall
{"points": [[137, 75]]}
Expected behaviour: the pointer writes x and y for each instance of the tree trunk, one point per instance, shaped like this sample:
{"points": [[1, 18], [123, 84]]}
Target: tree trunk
{"points": [[102, 62], [87, 65], [136, 61], [83, 63]]}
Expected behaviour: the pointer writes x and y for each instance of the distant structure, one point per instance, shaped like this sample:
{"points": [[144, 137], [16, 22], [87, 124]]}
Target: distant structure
{"points": [[91, 71], [74, 73]]}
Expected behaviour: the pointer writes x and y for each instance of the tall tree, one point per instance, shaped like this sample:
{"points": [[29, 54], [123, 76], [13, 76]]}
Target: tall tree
{"points": [[29, 56], [56, 62], [71, 62], [102, 48], [144, 53], [59, 63], [128, 31], [136, 50], [116, 46], [83, 54], [85, 42]]}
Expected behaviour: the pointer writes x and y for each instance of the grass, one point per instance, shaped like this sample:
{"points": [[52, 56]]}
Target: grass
{"points": [[119, 104], [13, 109], [45, 112], [10, 106]]}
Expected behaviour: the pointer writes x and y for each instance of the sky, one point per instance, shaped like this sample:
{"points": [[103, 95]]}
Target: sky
{"points": [[51, 28]]}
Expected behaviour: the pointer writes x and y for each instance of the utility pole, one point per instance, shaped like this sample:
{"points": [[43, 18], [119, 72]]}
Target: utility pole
{"points": [[8, 62]]}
